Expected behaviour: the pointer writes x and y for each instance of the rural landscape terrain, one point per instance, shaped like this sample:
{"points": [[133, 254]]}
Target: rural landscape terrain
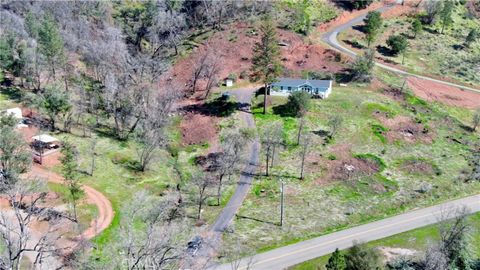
{"points": [[288, 134]]}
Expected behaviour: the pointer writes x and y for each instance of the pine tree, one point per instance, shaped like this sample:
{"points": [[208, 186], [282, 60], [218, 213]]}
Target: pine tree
{"points": [[336, 261], [50, 43], [472, 37], [446, 14], [266, 57], [70, 174], [373, 25]]}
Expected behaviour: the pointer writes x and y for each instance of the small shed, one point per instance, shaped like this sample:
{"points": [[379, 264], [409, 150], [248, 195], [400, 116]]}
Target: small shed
{"points": [[229, 82]]}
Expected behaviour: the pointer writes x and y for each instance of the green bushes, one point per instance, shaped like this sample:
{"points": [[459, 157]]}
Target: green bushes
{"points": [[379, 131]]}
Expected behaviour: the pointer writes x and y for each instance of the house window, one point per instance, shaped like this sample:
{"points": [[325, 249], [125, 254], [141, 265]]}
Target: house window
{"points": [[289, 88], [281, 87]]}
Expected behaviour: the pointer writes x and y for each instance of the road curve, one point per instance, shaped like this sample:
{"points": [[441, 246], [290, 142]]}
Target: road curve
{"points": [[287, 256], [243, 96], [105, 210], [331, 39]]}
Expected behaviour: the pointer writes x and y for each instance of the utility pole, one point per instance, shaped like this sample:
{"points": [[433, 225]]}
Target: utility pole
{"points": [[281, 204]]}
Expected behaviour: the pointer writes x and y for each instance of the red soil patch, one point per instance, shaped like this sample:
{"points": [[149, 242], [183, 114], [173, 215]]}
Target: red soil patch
{"points": [[406, 129], [198, 128], [449, 95], [234, 55], [351, 168], [418, 166]]}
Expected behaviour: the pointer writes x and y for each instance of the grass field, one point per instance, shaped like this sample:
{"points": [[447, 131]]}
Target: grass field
{"points": [[417, 239], [412, 138]]}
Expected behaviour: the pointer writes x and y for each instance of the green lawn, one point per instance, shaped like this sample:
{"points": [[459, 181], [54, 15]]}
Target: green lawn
{"points": [[417, 239]]}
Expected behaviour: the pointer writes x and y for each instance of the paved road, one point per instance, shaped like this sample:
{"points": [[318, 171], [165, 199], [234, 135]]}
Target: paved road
{"points": [[303, 251], [331, 39], [243, 96]]}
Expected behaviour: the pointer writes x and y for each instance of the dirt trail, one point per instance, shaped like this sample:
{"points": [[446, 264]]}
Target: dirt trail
{"points": [[105, 210]]}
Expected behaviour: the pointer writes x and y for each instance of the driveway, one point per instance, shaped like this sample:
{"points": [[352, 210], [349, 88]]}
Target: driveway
{"points": [[243, 96], [331, 39], [291, 255]]}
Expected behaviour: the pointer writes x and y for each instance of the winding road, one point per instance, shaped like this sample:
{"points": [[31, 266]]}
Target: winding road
{"points": [[331, 39], [291, 255]]}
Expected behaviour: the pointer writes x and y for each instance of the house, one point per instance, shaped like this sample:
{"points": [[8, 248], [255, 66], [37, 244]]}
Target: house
{"points": [[17, 114], [43, 145], [285, 86]]}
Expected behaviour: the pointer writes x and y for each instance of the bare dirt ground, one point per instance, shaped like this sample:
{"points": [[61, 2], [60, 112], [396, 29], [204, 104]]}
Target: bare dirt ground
{"points": [[449, 95], [406, 129]]}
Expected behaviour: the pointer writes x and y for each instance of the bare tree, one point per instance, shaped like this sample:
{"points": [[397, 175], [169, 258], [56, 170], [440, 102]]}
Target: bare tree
{"points": [[201, 184], [272, 136], [199, 69], [305, 143], [151, 132], [152, 234], [233, 143], [334, 123], [15, 231], [212, 68]]}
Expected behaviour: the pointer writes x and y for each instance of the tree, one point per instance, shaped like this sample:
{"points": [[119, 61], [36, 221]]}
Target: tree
{"points": [[432, 8], [15, 156], [373, 24], [272, 136], [70, 174], [446, 13], [336, 261], [453, 239], [476, 119], [55, 102], [398, 44], [233, 143], [15, 233], [201, 183], [299, 103], [471, 37], [305, 142], [363, 66], [361, 257], [334, 124], [150, 133], [266, 57], [303, 22], [152, 233], [360, 4], [50, 43], [416, 27]]}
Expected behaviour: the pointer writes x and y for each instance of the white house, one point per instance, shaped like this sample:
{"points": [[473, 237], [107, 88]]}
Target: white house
{"points": [[285, 86], [228, 82]]}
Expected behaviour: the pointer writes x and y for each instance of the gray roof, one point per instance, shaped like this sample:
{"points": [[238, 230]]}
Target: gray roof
{"points": [[298, 82]]}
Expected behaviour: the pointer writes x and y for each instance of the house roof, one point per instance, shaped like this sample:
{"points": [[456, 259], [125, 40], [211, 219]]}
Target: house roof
{"points": [[45, 138], [298, 82]]}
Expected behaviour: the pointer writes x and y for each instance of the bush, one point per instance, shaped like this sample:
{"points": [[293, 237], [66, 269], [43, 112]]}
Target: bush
{"points": [[363, 66], [360, 257], [299, 103], [397, 43]]}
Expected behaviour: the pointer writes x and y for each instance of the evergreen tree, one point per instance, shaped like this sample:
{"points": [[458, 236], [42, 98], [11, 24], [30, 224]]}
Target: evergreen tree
{"points": [[336, 261], [373, 25], [398, 44], [446, 13], [55, 102], [417, 27], [266, 57], [50, 43], [472, 37], [70, 173], [360, 257]]}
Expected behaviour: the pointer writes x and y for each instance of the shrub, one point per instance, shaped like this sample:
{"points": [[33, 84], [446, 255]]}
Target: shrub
{"points": [[397, 43], [299, 103]]}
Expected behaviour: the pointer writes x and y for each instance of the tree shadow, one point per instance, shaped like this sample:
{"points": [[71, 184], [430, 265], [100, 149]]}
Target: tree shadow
{"points": [[346, 5], [261, 91], [12, 93], [354, 44], [344, 76], [321, 133], [360, 28], [284, 110], [458, 47], [430, 30], [220, 107], [385, 51], [256, 219], [466, 128]]}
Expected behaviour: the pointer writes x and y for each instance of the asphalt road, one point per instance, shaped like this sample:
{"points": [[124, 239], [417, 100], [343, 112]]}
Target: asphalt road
{"points": [[242, 96], [287, 256], [331, 39]]}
